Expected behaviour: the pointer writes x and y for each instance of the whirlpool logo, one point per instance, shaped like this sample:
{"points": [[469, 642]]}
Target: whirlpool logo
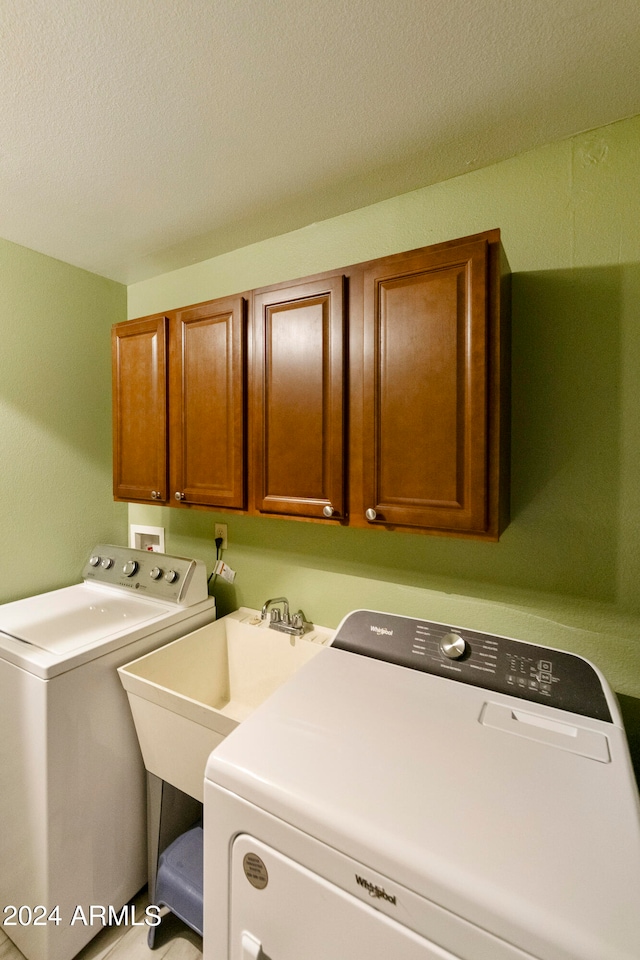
{"points": [[381, 631], [374, 891]]}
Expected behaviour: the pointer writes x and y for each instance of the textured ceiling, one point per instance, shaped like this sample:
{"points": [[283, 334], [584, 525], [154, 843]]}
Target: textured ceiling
{"points": [[137, 136]]}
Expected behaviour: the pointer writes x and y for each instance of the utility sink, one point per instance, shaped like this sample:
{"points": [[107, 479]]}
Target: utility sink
{"points": [[187, 696]]}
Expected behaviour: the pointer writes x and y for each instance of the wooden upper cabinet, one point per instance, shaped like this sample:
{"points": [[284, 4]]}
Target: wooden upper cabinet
{"points": [[140, 409], [432, 379], [179, 406], [298, 399], [207, 389], [204, 418]]}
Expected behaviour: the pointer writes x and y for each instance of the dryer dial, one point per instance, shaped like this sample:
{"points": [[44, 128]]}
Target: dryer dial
{"points": [[453, 646]]}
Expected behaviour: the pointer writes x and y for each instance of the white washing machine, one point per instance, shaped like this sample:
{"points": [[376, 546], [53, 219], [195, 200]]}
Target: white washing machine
{"points": [[72, 800], [424, 792]]}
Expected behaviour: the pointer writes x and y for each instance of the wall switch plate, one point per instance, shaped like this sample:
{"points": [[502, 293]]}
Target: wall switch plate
{"points": [[221, 531]]}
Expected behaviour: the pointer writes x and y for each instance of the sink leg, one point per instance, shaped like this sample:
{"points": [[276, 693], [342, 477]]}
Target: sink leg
{"points": [[169, 813]]}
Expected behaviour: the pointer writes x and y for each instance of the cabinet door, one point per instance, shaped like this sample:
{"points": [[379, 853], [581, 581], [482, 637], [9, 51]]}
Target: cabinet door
{"points": [[140, 409], [207, 404], [425, 389], [298, 400]]}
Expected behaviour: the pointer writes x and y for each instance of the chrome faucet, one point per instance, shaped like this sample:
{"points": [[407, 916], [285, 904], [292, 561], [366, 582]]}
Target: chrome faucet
{"points": [[280, 615], [280, 619]]}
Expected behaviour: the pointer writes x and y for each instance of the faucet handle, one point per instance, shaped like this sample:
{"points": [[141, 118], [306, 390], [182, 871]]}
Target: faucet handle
{"points": [[267, 604], [280, 616], [300, 622]]}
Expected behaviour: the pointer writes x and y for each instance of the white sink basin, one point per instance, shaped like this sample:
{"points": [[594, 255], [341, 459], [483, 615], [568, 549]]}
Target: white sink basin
{"points": [[187, 696]]}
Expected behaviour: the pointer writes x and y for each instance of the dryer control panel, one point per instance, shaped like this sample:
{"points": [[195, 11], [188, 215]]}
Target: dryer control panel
{"points": [[524, 670]]}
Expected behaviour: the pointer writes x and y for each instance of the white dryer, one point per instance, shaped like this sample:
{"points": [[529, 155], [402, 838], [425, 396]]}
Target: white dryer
{"points": [[420, 791], [72, 797]]}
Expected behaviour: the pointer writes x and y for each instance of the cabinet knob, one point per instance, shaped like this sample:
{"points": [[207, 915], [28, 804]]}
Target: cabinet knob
{"points": [[155, 495], [328, 510], [179, 496], [371, 514]]}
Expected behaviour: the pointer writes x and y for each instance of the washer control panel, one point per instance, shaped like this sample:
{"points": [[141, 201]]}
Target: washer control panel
{"points": [[524, 670], [157, 576]]}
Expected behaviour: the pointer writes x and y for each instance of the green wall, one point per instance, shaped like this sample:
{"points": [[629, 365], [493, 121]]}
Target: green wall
{"points": [[55, 420], [567, 569]]}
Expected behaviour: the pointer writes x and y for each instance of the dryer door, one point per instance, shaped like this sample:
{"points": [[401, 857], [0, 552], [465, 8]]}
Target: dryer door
{"points": [[282, 911]]}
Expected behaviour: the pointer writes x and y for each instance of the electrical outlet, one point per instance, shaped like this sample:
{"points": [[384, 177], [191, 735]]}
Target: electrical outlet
{"points": [[220, 530]]}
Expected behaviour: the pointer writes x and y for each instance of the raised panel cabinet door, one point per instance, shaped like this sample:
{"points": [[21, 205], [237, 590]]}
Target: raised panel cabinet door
{"points": [[298, 395], [425, 381], [139, 375], [207, 404]]}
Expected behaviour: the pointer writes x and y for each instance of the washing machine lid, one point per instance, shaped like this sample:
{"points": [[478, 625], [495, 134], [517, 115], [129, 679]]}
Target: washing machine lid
{"points": [[55, 632], [473, 799], [73, 618], [125, 595]]}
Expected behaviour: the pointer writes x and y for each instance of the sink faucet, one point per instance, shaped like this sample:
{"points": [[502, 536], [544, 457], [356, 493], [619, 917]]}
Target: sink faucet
{"points": [[281, 616], [294, 625]]}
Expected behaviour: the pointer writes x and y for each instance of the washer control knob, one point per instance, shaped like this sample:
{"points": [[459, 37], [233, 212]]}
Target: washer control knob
{"points": [[171, 576], [453, 646], [156, 573], [94, 561], [371, 514], [107, 563], [130, 567]]}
